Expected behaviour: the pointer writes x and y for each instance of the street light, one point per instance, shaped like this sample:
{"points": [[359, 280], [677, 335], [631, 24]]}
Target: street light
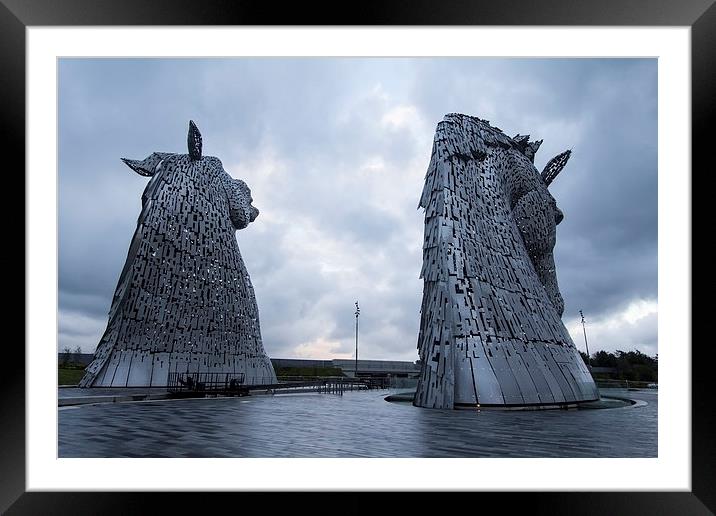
{"points": [[357, 314], [589, 359]]}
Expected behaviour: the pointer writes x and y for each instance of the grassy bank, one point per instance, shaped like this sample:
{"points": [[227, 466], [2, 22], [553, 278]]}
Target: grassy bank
{"points": [[69, 376], [308, 371], [73, 375]]}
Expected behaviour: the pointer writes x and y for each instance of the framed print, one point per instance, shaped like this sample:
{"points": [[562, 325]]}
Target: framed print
{"points": [[281, 255]]}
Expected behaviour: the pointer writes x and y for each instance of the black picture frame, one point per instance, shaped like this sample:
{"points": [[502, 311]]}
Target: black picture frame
{"points": [[700, 15]]}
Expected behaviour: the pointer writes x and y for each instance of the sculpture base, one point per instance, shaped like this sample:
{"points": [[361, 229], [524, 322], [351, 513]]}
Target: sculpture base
{"points": [[141, 369], [532, 406]]}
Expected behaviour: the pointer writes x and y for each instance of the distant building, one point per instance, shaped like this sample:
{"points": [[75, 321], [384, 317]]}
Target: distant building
{"points": [[396, 368]]}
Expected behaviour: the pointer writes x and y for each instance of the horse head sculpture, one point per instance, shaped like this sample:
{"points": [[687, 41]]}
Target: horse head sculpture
{"points": [[491, 330], [184, 303]]}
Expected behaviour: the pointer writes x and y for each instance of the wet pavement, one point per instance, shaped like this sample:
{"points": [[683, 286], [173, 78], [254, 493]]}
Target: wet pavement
{"points": [[73, 392], [357, 424]]}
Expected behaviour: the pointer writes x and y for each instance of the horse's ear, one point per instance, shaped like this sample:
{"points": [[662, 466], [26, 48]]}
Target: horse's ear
{"points": [[193, 140], [148, 166], [528, 148], [531, 149], [555, 166]]}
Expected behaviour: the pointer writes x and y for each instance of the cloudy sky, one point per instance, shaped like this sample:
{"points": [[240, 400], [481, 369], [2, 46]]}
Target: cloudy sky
{"points": [[335, 153]]}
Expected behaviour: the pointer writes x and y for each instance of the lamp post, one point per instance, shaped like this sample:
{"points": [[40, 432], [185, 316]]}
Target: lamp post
{"points": [[357, 314], [584, 329]]}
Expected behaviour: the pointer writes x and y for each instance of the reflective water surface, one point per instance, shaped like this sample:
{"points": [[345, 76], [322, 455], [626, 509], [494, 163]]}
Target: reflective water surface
{"points": [[357, 424]]}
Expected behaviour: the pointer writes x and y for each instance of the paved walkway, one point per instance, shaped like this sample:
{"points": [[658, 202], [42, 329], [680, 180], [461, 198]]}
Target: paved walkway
{"points": [[67, 396], [357, 424]]}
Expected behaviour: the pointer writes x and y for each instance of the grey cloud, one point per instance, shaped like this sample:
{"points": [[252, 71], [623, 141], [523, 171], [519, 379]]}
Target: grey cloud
{"points": [[322, 119]]}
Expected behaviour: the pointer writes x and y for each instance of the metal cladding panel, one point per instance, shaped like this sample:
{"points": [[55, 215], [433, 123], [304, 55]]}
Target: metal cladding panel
{"points": [[140, 368], [184, 300], [119, 379], [489, 275], [160, 369], [584, 378], [486, 384], [464, 386], [567, 372], [583, 382], [528, 388], [553, 387], [593, 389], [544, 393], [102, 378], [110, 368], [177, 362], [503, 372], [564, 385], [584, 371], [566, 362]]}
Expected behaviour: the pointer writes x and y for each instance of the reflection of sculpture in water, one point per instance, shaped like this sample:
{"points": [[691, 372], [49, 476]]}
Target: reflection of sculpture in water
{"points": [[491, 331], [184, 302]]}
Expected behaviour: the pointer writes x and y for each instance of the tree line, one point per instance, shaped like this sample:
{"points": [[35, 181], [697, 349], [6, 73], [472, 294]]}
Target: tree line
{"points": [[70, 359], [629, 365]]}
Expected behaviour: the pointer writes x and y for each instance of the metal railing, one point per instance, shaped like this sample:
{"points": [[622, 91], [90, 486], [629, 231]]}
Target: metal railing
{"points": [[190, 384], [205, 382], [349, 382], [625, 384]]}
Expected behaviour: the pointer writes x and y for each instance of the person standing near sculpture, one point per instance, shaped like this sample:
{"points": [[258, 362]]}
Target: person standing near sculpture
{"points": [[184, 302]]}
